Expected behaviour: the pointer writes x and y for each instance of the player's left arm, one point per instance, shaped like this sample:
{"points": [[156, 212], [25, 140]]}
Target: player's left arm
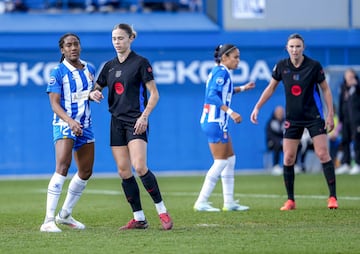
{"points": [[142, 122], [247, 86], [329, 105]]}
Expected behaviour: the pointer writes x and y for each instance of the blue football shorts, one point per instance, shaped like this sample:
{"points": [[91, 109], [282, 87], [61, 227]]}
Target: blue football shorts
{"points": [[64, 132], [215, 133]]}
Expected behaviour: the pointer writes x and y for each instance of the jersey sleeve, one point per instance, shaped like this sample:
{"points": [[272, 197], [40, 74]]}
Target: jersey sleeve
{"points": [[320, 73], [91, 69], [146, 71], [55, 82], [215, 87], [102, 78], [276, 72]]}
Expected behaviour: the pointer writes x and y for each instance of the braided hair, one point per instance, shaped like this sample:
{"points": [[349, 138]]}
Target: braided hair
{"points": [[62, 41]]}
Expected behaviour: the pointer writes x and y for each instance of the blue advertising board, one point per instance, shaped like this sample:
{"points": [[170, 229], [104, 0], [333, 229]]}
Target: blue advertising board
{"points": [[176, 141]]}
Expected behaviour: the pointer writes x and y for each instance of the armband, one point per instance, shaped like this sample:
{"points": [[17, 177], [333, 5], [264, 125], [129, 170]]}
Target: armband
{"points": [[229, 111], [242, 88]]}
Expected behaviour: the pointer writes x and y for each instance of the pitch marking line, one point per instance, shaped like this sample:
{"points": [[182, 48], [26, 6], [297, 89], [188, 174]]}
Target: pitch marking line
{"points": [[183, 194], [194, 194]]}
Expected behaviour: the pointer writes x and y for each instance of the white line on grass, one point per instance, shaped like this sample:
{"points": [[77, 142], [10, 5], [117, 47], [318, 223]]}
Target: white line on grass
{"points": [[183, 194], [274, 196]]}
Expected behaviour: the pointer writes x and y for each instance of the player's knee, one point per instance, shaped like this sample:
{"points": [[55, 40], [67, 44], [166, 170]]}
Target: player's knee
{"points": [[85, 174], [289, 159], [323, 155]]}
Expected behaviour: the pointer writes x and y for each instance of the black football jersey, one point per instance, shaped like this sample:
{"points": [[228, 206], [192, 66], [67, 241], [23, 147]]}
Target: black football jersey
{"points": [[127, 93], [303, 99]]}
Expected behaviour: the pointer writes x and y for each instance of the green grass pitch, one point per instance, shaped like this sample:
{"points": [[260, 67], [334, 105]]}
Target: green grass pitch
{"points": [[311, 228]]}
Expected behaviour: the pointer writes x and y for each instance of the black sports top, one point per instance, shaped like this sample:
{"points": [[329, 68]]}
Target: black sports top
{"points": [[127, 95], [303, 101]]}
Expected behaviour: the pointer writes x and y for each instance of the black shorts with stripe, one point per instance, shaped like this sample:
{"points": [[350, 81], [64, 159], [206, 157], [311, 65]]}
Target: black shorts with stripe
{"points": [[295, 129]]}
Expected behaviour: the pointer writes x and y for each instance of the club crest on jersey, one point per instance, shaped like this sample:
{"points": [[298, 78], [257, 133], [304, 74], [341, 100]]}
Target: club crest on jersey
{"points": [[117, 74], [296, 77], [220, 81], [52, 81]]}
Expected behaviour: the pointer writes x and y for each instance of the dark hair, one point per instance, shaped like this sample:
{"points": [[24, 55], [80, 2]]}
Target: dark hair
{"points": [[127, 28], [296, 36], [62, 40], [355, 75], [223, 49]]}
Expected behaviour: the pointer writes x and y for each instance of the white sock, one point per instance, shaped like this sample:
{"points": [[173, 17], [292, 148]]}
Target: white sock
{"points": [[53, 194], [228, 179], [139, 215], [160, 207], [76, 188], [211, 179]]}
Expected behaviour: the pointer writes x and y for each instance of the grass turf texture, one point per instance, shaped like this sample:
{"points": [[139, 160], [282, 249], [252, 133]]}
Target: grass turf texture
{"points": [[311, 228]]}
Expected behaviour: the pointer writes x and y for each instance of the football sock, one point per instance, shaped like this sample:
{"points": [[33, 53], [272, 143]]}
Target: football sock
{"points": [[211, 179], [139, 215], [76, 188], [329, 172], [53, 194], [151, 186], [289, 178], [228, 179], [132, 193], [160, 207]]}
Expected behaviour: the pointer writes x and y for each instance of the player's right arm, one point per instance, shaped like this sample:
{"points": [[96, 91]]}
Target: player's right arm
{"points": [[75, 127], [265, 96]]}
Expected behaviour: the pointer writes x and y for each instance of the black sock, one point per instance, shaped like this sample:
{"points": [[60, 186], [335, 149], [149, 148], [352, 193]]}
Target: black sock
{"points": [[151, 186], [132, 193], [329, 172], [289, 178]]}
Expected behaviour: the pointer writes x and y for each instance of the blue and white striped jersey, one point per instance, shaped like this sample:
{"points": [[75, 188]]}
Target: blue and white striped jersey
{"points": [[219, 91], [74, 86]]}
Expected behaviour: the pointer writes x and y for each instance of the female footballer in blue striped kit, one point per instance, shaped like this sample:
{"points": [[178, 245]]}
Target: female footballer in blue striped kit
{"points": [[214, 123], [68, 89]]}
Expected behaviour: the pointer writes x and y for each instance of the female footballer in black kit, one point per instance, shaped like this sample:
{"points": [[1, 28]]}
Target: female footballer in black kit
{"points": [[302, 77], [129, 77]]}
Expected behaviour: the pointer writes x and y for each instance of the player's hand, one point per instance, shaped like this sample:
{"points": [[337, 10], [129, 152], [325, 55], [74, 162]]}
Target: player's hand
{"points": [[329, 124], [141, 125], [254, 116], [236, 117], [250, 85], [96, 96], [75, 127]]}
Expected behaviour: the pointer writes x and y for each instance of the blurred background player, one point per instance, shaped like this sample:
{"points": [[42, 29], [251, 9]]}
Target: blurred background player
{"points": [[349, 117], [274, 138]]}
